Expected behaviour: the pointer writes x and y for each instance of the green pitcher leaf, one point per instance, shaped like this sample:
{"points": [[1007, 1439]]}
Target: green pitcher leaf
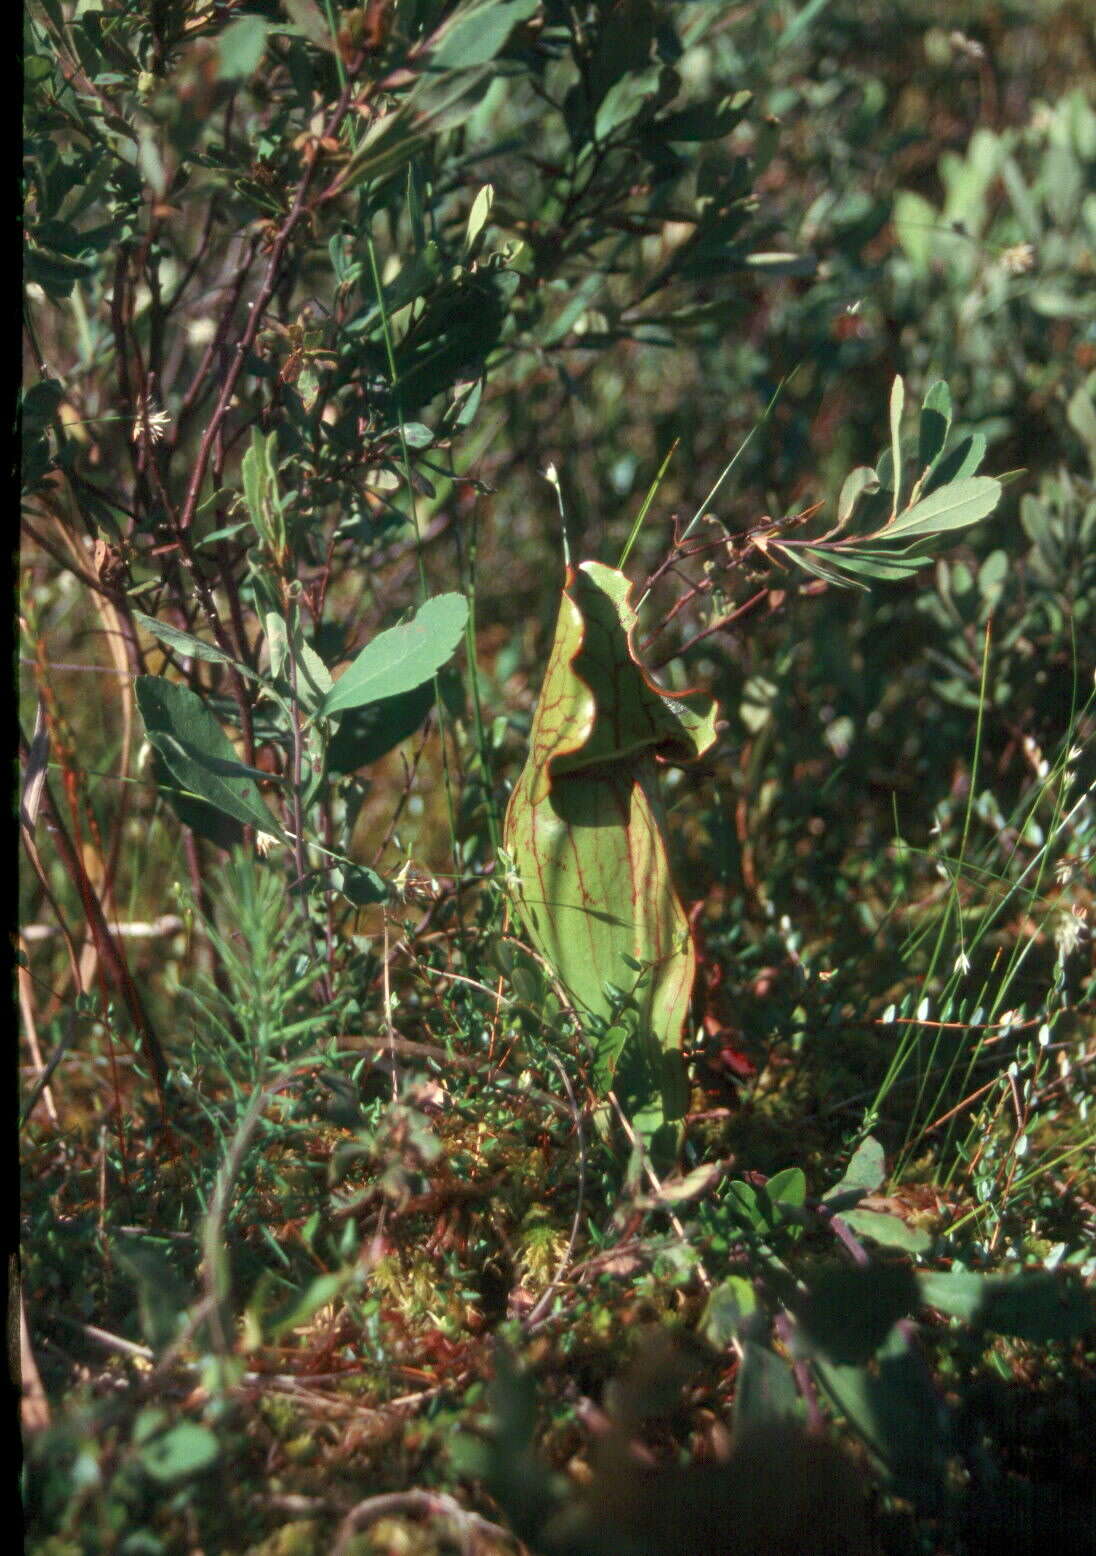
{"points": [[585, 829]]}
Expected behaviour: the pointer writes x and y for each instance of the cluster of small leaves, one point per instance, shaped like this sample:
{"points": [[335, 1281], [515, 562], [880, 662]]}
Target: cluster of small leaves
{"points": [[946, 495]]}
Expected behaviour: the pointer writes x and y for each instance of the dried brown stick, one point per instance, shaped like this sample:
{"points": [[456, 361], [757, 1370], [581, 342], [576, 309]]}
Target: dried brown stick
{"points": [[255, 317], [105, 942], [415, 1504]]}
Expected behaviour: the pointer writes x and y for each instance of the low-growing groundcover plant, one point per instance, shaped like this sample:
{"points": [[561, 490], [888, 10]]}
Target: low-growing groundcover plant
{"points": [[556, 1005]]}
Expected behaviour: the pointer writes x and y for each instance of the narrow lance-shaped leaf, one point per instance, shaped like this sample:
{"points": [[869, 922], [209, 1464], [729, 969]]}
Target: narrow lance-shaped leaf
{"points": [[867, 563], [809, 559], [584, 825], [185, 643], [897, 405]]}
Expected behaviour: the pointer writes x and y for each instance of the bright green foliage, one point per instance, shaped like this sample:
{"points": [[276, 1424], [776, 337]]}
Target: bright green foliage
{"points": [[945, 495], [584, 826]]}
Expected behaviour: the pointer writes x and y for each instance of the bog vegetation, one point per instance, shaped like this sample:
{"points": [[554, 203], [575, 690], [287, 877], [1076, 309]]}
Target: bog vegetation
{"points": [[557, 709]]}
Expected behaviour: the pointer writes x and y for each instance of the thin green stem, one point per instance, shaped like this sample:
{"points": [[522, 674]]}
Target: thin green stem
{"points": [[647, 501], [393, 372], [729, 466]]}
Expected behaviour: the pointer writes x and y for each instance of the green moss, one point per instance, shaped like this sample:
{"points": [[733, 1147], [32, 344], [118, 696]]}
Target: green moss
{"points": [[299, 1538]]}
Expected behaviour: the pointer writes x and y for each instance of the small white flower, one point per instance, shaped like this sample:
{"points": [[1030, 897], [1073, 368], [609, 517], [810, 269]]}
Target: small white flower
{"points": [[968, 46], [962, 963], [152, 423], [1035, 757], [1018, 259], [1069, 930], [199, 332]]}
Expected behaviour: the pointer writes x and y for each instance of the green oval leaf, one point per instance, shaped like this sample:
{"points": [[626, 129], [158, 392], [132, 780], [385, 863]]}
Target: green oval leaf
{"points": [[402, 658], [865, 1173], [950, 507], [935, 424], [198, 753], [858, 481], [887, 1231], [476, 33], [182, 1452]]}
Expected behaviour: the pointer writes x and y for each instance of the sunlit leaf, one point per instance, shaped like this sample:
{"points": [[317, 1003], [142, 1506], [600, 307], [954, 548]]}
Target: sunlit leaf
{"points": [[857, 482], [865, 563], [951, 507], [887, 1231], [186, 643], [177, 1454], [808, 558], [402, 658], [897, 405], [732, 1301], [241, 46], [864, 1174], [474, 34], [477, 216]]}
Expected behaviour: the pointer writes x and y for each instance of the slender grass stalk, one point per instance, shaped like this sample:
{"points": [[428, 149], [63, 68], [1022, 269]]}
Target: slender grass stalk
{"points": [[647, 501], [729, 466]]}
